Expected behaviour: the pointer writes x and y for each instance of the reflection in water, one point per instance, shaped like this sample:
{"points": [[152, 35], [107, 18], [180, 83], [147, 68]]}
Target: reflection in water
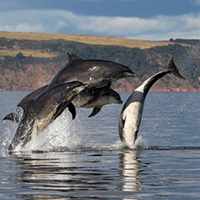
{"points": [[51, 174], [77, 174], [130, 167], [49, 171], [123, 174]]}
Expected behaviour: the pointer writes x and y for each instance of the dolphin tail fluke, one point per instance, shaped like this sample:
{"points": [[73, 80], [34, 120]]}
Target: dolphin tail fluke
{"points": [[174, 70]]}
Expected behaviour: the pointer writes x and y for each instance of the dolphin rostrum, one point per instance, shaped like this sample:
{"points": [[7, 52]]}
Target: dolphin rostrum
{"points": [[131, 114]]}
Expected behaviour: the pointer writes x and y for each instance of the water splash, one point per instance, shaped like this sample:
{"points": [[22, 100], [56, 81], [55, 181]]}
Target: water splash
{"points": [[7, 135], [65, 134], [62, 133]]}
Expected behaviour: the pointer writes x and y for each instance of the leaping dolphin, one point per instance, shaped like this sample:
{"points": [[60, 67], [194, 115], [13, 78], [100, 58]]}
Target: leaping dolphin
{"points": [[94, 98], [97, 74], [131, 114], [43, 110], [92, 72]]}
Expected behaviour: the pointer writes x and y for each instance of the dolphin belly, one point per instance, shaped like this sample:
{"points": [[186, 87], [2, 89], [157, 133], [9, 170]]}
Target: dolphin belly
{"points": [[42, 123], [129, 123]]}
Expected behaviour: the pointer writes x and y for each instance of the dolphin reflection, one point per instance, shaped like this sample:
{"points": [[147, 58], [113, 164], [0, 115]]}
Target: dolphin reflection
{"points": [[130, 167]]}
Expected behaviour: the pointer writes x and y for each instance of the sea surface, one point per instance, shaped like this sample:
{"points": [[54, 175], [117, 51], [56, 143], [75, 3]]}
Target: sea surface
{"points": [[85, 159]]}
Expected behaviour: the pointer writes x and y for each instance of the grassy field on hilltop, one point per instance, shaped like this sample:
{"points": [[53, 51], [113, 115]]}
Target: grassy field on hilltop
{"points": [[88, 39]]}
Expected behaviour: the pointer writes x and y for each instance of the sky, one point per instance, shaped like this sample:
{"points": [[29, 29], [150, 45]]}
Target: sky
{"points": [[136, 19]]}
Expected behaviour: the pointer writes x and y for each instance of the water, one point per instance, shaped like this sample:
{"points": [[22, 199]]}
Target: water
{"points": [[84, 158]]}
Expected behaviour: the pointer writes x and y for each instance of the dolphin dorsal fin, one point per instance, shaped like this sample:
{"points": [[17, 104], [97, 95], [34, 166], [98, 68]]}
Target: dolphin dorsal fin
{"points": [[73, 57]]}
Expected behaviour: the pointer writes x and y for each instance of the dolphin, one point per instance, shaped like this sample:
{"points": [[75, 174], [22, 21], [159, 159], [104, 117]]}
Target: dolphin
{"points": [[97, 74], [93, 97], [43, 110], [131, 114], [88, 99], [92, 72]]}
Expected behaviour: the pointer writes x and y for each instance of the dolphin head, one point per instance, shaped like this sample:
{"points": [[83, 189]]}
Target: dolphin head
{"points": [[114, 97], [129, 74], [124, 71]]}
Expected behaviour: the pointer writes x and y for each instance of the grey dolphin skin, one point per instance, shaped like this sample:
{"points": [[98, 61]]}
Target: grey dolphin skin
{"points": [[88, 99], [43, 110], [98, 74], [92, 72], [131, 114], [25, 103]]}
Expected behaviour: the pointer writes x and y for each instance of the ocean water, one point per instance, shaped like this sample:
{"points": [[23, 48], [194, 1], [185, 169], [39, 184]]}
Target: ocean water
{"points": [[85, 159]]}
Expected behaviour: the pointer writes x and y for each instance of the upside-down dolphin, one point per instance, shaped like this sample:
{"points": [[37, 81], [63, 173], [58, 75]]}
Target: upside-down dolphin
{"points": [[95, 98], [131, 114], [43, 110], [97, 74]]}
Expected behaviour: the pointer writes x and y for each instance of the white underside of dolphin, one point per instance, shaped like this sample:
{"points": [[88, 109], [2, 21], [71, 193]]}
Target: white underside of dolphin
{"points": [[131, 114]]}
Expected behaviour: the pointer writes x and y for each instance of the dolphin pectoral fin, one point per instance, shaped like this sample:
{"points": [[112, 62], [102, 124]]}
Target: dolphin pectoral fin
{"points": [[72, 109], [10, 116], [62, 107], [95, 111], [59, 110], [14, 117]]}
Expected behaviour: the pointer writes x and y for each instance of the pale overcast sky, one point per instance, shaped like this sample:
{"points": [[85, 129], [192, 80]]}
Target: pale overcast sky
{"points": [[138, 19]]}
